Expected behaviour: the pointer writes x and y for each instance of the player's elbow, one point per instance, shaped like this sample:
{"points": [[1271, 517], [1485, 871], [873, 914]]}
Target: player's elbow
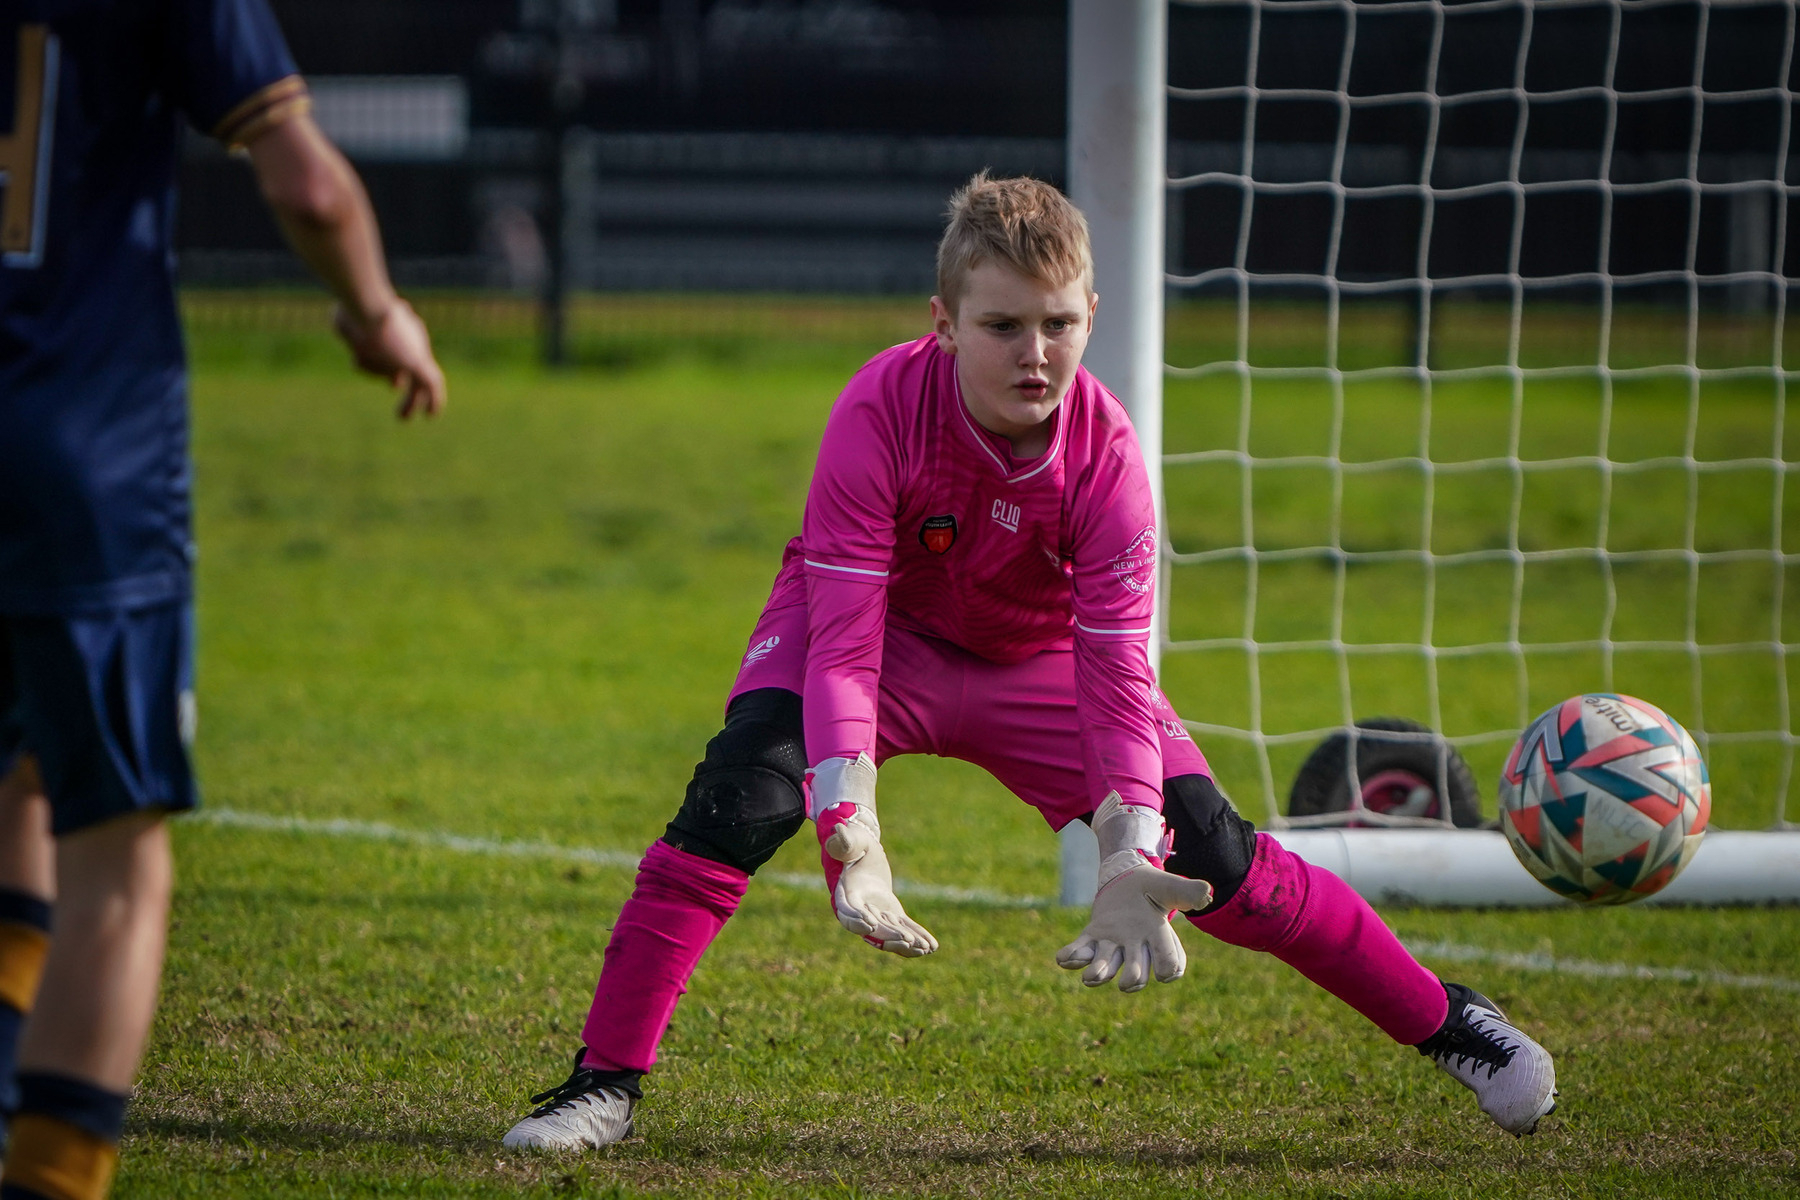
{"points": [[303, 178], [316, 198]]}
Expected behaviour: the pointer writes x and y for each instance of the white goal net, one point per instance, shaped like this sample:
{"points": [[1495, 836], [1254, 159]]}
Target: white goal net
{"points": [[1478, 376]]}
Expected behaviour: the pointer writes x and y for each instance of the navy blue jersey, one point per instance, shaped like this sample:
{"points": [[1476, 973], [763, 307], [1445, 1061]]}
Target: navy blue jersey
{"points": [[94, 510]]}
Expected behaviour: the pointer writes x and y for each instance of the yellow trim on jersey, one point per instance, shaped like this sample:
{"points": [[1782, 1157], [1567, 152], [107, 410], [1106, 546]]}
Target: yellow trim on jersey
{"points": [[22, 951], [21, 220], [54, 1158], [262, 110]]}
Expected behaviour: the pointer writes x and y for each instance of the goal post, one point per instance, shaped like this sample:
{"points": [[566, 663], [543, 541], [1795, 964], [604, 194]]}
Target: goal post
{"points": [[1453, 413], [1117, 172]]}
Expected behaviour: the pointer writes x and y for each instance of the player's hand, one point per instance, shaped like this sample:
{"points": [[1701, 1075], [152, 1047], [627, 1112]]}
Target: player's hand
{"points": [[1128, 933], [397, 347], [863, 897], [856, 867]]}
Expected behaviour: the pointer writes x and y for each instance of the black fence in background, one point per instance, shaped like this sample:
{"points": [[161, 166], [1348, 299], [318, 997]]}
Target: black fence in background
{"points": [[784, 212], [547, 146]]}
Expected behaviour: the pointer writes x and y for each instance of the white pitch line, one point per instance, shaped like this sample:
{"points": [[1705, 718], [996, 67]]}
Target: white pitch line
{"points": [[377, 831], [1596, 970]]}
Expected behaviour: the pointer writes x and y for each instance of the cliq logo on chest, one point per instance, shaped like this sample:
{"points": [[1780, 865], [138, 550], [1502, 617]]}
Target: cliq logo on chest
{"points": [[1007, 513]]}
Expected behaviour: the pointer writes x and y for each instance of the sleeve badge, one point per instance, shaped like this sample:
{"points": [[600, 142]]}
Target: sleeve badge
{"points": [[1136, 567]]}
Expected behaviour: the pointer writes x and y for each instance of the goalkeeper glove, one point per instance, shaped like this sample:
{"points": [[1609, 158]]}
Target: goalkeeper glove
{"points": [[1128, 932], [841, 801]]}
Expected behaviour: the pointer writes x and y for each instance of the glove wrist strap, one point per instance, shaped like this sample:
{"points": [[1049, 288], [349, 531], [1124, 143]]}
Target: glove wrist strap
{"points": [[1129, 834], [841, 792], [838, 781], [1120, 826]]}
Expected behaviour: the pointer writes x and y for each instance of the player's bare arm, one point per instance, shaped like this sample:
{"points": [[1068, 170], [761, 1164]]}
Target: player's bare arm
{"points": [[324, 212]]}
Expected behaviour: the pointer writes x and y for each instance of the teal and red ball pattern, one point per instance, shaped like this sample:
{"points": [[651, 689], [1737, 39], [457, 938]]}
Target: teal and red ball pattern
{"points": [[1604, 799]]}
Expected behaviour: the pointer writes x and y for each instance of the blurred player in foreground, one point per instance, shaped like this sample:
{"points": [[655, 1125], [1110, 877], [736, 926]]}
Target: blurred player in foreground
{"points": [[96, 641], [974, 579]]}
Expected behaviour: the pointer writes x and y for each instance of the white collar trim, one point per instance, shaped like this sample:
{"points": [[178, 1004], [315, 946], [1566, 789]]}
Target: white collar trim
{"points": [[1043, 460]]}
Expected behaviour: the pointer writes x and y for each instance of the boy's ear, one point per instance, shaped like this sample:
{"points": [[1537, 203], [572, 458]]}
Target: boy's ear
{"points": [[1093, 303], [943, 324]]}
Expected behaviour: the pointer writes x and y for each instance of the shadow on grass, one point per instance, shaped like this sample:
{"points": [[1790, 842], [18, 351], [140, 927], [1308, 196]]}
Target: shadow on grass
{"points": [[307, 1136], [961, 1149]]}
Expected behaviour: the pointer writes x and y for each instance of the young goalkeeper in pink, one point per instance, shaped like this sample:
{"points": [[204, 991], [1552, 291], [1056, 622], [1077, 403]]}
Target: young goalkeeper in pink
{"points": [[974, 580]]}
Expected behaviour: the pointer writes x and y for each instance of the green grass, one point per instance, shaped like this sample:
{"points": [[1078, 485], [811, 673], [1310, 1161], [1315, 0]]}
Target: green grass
{"points": [[519, 623]]}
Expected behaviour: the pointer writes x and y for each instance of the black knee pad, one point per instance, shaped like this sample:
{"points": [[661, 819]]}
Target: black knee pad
{"points": [[1212, 842], [745, 798]]}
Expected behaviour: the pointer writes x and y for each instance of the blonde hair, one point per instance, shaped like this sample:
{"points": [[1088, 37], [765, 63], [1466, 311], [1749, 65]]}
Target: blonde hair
{"points": [[1021, 223]]}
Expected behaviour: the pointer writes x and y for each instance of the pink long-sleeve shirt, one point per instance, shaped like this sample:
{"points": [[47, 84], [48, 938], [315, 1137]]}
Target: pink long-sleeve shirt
{"points": [[917, 517]]}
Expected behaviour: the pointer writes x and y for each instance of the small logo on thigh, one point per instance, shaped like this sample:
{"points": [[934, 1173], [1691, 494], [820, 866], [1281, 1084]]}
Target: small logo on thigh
{"points": [[761, 650]]}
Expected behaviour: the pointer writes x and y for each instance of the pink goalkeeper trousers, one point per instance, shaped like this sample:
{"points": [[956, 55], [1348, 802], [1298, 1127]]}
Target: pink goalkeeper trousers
{"points": [[1303, 915]]}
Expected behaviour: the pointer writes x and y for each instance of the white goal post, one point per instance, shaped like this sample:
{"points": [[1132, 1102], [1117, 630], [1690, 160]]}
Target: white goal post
{"points": [[1118, 56], [1118, 173]]}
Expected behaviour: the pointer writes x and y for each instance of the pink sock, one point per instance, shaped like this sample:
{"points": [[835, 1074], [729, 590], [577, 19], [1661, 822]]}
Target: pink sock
{"points": [[1311, 920], [680, 903]]}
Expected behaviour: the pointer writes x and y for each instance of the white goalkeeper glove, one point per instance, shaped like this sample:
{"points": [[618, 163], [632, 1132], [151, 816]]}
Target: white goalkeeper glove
{"points": [[1128, 932], [841, 802]]}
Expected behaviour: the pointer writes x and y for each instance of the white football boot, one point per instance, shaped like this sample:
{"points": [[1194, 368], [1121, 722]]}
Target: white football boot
{"points": [[1511, 1075], [585, 1112]]}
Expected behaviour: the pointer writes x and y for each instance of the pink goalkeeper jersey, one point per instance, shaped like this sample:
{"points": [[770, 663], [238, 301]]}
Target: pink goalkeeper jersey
{"points": [[920, 518]]}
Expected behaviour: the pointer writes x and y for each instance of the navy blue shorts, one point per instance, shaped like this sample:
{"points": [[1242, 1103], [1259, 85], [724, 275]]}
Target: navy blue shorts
{"points": [[106, 705]]}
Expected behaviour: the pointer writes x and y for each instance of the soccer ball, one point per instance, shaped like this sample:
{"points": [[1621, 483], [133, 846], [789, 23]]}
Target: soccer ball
{"points": [[1604, 799]]}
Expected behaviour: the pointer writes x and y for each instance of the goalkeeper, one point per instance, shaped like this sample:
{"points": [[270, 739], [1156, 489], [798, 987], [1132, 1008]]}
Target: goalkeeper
{"points": [[974, 579]]}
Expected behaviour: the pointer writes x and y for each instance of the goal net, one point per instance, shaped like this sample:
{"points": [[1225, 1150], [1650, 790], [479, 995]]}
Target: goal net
{"points": [[1477, 377]]}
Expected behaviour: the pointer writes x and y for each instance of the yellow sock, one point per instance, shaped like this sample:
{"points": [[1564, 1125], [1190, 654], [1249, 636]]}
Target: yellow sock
{"points": [[22, 951], [58, 1161]]}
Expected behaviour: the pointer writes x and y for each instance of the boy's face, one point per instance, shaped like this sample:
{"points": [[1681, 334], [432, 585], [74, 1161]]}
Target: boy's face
{"points": [[1017, 342]]}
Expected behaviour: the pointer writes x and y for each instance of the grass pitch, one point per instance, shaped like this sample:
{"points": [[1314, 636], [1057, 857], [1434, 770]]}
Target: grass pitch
{"points": [[518, 624]]}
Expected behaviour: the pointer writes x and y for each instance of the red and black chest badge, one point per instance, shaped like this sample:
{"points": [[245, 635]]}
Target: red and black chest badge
{"points": [[938, 534]]}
